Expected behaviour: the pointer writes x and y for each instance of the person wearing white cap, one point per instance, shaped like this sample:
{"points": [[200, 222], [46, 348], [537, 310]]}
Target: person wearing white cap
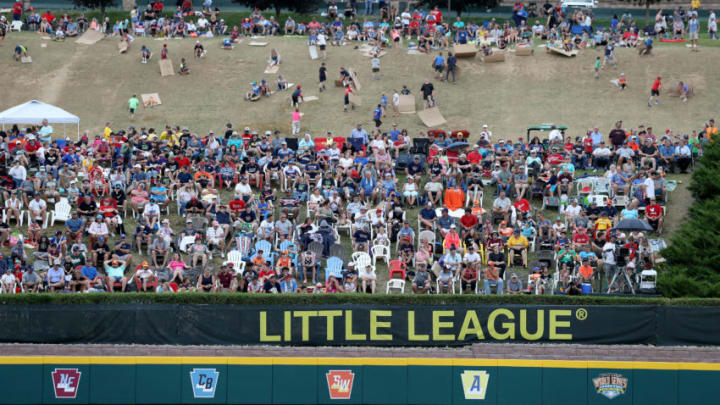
{"points": [[215, 236], [485, 135], [199, 50]]}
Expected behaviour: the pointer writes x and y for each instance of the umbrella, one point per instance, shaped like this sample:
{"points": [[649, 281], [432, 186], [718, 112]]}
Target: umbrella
{"points": [[633, 224], [458, 146]]}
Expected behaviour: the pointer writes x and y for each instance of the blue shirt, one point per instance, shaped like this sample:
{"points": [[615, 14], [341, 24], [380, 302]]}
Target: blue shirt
{"points": [[74, 224], [377, 114], [89, 272], [693, 25], [394, 134], [439, 60], [596, 138], [428, 214], [361, 134]]}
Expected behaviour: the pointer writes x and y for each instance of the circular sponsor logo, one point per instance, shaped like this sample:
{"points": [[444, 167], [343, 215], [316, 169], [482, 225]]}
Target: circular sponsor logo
{"points": [[581, 314]]}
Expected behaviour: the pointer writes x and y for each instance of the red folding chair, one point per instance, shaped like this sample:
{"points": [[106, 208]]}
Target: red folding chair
{"points": [[436, 133], [460, 133], [452, 156], [320, 144], [340, 141], [397, 267]]}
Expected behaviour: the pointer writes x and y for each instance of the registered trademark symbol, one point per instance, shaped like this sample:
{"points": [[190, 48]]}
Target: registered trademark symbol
{"points": [[581, 314]]}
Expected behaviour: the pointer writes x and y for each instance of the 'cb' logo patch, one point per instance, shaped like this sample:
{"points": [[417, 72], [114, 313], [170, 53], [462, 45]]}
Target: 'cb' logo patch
{"points": [[204, 382], [340, 383], [66, 382]]}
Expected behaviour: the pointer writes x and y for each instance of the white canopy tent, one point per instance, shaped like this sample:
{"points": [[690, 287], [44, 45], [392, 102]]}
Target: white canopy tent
{"points": [[34, 112]]}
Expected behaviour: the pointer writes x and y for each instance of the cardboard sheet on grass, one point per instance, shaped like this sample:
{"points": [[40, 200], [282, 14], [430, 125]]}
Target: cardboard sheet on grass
{"points": [[150, 99], [562, 52], [407, 104], [122, 46], [310, 98], [523, 51], [354, 76], [271, 70], [90, 37], [166, 67], [313, 52], [26, 59], [431, 117], [465, 50], [497, 56], [255, 43], [355, 99]]}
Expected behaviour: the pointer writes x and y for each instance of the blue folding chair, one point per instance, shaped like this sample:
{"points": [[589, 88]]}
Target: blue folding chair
{"points": [[333, 266]]}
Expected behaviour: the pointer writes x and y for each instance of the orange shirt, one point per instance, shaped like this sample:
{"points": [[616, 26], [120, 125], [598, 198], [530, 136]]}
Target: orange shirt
{"points": [[454, 198], [586, 271]]}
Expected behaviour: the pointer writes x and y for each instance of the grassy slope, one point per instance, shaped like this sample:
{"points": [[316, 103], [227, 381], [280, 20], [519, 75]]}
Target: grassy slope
{"points": [[95, 83]]}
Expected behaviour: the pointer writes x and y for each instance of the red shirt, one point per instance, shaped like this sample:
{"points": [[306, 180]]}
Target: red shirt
{"points": [[468, 220], [522, 205], [50, 17], [32, 147], [588, 143], [107, 203], [656, 85], [653, 211], [474, 157], [237, 204], [182, 161], [17, 8], [581, 238], [158, 6]]}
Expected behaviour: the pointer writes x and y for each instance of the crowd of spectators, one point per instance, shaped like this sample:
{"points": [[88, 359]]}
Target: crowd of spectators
{"points": [[159, 210]]}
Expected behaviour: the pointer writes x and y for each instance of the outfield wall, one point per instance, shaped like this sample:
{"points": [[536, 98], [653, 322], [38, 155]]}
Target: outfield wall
{"points": [[364, 380], [359, 324]]}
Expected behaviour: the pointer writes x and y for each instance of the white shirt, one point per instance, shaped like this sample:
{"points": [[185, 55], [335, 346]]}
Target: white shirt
{"points": [[602, 152], [649, 184], [609, 253], [321, 39], [471, 257], [151, 209], [555, 135], [98, 228], [8, 278], [242, 189], [405, 17], [684, 150], [396, 99], [486, 135], [18, 172], [571, 211], [214, 234], [37, 205]]}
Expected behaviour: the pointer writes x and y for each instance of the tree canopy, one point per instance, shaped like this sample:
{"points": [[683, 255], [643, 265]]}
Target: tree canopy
{"points": [[693, 253], [94, 4], [303, 7], [460, 6]]}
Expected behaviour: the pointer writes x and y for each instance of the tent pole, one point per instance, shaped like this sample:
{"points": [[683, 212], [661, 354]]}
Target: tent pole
{"points": [[78, 131]]}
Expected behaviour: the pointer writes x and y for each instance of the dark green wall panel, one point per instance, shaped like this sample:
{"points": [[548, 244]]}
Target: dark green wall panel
{"points": [[82, 394], [20, 384], [698, 387], [564, 386], [419, 392], [385, 385], [655, 387], [158, 384], [519, 385], [245, 381], [475, 376], [112, 384], [294, 385]]}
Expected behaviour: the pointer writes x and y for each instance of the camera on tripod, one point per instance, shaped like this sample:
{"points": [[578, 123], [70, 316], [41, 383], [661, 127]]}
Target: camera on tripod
{"points": [[621, 256]]}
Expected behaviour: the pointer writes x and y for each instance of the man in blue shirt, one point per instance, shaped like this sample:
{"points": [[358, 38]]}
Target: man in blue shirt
{"points": [[377, 115], [88, 277], [394, 133], [596, 136], [451, 62], [445, 221], [74, 227], [360, 135], [438, 64], [367, 185], [427, 216]]}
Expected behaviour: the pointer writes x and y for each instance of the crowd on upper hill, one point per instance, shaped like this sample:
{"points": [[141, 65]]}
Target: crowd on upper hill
{"points": [[275, 208], [386, 25]]}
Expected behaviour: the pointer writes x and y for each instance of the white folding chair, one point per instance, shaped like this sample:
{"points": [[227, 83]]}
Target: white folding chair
{"points": [[61, 212], [380, 251], [395, 284], [235, 257], [16, 26]]}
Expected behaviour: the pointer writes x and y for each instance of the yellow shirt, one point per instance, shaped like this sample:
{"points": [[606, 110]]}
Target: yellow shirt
{"points": [[603, 224], [519, 242], [107, 132]]}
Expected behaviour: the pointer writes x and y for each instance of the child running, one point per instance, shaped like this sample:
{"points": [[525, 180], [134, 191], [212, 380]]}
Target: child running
{"points": [[655, 92], [597, 67], [296, 121], [322, 76]]}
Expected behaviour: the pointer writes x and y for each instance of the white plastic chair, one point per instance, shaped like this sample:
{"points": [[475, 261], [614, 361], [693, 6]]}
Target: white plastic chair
{"points": [[61, 212], [602, 186], [235, 257], [20, 209], [585, 186], [361, 260], [475, 194], [452, 286], [599, 199], [185, 242], [381, 251], [16, 26], [395, 284]]}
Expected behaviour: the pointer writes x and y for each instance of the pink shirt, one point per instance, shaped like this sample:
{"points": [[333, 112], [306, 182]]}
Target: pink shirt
{"points": [[295, 116]]}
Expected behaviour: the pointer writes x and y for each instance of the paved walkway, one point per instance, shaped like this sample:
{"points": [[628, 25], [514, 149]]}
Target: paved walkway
{"points": [[484, 350]]}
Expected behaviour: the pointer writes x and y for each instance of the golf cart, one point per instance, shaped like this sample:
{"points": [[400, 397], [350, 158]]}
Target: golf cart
{"points": [[546, 127]]}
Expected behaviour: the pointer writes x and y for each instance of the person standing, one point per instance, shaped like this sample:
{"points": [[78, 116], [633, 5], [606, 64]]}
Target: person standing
{"points": [[164, 52], [693, 31], [438, 65], [132, 105], [377, 115], [322, 73], [348, 90], [297, 96], [655, 92], [597, 67], [322, 44], [451, 65], [296, 121], [427, 90], [368, 7], [375, 65], [396, 103], [712, 25]]}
